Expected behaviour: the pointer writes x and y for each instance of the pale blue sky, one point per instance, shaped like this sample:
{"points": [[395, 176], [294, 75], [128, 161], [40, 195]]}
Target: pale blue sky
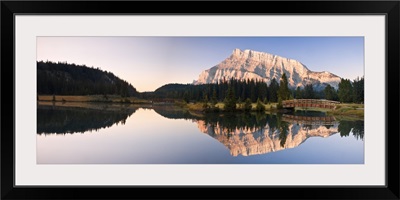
{"points": [[150, 62]]}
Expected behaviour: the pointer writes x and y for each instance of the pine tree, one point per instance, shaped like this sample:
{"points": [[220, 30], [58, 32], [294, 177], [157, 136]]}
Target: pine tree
{"points": [[329, 92], [240, 103], [205, 102], [308, 92], [273, 90], [260, 107], [186, 96], [345, 91], [358, 90], [214, 100], [230, 100], [299, 93], [247, 105], [284, 91]]}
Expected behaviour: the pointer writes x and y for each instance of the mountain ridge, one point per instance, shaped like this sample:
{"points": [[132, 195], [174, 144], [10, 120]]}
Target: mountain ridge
{"points": [[261, 66]]}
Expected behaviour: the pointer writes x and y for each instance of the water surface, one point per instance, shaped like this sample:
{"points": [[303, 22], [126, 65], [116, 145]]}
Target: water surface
{"points": [[120, 134]]}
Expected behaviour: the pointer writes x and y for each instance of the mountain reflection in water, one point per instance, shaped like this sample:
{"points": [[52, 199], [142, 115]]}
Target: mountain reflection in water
{"points": [[271, 137], [243, 134]]}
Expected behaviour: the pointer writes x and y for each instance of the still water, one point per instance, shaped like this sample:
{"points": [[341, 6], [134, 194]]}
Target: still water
{"points": [[120, 134]]}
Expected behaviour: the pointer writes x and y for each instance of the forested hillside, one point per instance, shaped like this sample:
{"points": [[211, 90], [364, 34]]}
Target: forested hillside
{"points": [[71, 79], [348, 92]]}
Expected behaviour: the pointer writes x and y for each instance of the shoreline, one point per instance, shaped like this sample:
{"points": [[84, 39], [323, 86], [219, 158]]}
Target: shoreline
{"points": [[343, 110]]}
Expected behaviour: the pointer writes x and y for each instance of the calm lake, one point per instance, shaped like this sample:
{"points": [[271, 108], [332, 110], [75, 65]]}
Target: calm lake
{"points": [[122, 134]]}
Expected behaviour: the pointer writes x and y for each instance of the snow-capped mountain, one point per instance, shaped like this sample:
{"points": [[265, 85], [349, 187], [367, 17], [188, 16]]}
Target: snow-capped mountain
{"points": [[249, 64]]}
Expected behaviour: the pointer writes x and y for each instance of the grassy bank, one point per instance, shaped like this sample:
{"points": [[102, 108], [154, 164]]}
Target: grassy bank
{"points": [[342, 111], [348, 111], [91, 98]]}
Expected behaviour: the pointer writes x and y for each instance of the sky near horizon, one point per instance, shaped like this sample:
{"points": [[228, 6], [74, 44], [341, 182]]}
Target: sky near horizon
{"points": [[151, 62]]}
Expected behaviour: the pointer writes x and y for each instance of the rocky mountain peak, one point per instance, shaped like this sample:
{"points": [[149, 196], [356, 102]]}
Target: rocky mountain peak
{"points": [[262, 66]]}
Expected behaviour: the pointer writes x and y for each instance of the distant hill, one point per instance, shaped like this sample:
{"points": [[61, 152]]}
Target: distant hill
{"points": [[172, 87], [180, 91], [172, 90], [71, 79]]}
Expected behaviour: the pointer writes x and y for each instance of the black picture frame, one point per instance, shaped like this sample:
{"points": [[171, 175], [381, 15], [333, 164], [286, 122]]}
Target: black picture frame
{"points": [[9, 9]]}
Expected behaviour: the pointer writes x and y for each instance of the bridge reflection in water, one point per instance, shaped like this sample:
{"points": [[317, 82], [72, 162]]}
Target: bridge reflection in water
{"points": [[310, 120]]}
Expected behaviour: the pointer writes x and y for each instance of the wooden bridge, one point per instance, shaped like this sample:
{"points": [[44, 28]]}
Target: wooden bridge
{"points": [[309, 103], [309, 120]]}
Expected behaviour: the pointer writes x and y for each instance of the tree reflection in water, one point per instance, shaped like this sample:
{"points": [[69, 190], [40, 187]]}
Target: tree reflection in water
{"points": [[62, 120], [242, 133]]}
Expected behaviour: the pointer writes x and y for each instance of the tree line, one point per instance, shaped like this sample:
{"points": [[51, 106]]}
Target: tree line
{"points": [[241, 89], [62, 78], [236, 91]]}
